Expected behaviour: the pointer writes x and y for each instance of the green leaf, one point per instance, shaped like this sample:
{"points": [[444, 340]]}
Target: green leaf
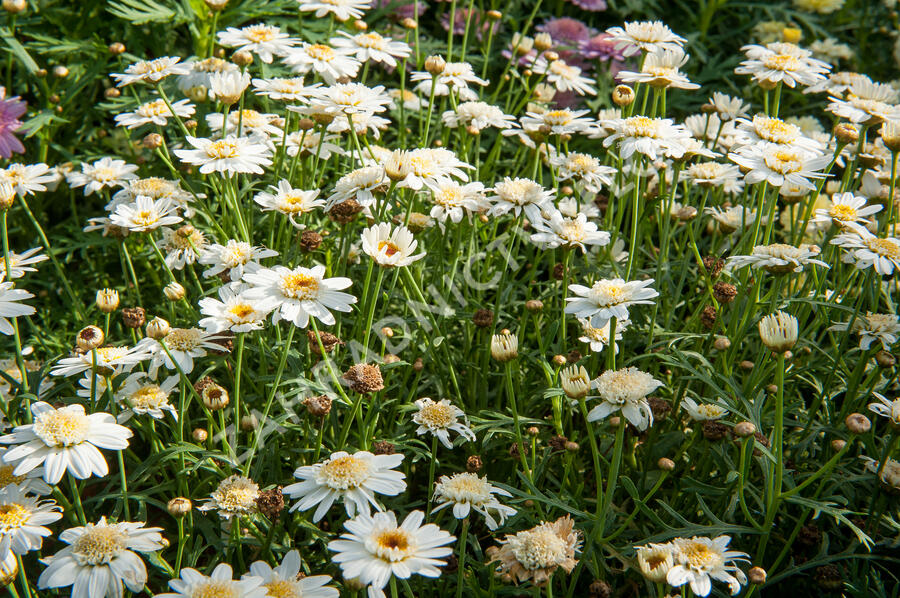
{"points": [[140, 12], [20, 52]]}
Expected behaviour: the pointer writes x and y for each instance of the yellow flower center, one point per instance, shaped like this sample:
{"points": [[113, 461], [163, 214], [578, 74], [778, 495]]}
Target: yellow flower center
{"points": [[260, 34], [700, 556], [370, 40], [297, 285], [345, 473], [843, 212], [449, 196], [784, 162], [148, 396], [145, 217], [61, 428], [392, 545], [215, 589], [282, 589], [184, 339], [582, 163], [641, 126], [782, 62], [320, 52], [155, 108], [13, 516], [241, 311], [437, 415], [153, 187], [99, 545], [222, 149], [885, 248], [389, 248]]}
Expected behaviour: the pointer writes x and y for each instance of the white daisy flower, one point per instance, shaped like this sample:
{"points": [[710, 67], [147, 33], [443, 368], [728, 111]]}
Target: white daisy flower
{"points": [[562, 231], [477, 116], [779, 258], [266, 41], [22, 520], [871, 328], [625, 390], [151, 71], [371, 46], [219, 584], [466, 492], [867, 103], [608, 299], [728, 107], [644, 36], [251, 122], [769, 129], [298, 294], [235, 496], [289, 89], [11, 306], [866, 250], [102, 174], [645, 135], [847, 211], [343, 10], [234, 258], [456, 75], [184, 346], [699, 560], [780, 165], [565, 77], [20, 263], [64, 439], [598, 338], [781, 62], [562, 121], [355, 479], [328, 63], [520, 195], [155, 112], [390, 248], [584, 169], [289, 201], [28, 179], [440, 418], [453, 200], [734, 218], [101, 557], [196, 82], [661, 69], [228, 87], [286, 581], [31, 482], [345, 99], [140, 395], [115, 359], [231, 155], [375, 548], [703, 411], [232, 310], [145, 214]]}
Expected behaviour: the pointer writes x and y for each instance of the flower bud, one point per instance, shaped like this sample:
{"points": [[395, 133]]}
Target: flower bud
{"points": [[60, 71], [858, 423], [543, 42], [744, 429], [360, 25], [199, 435], [890, 135], [559, 360], [116, 48], [551, 56], [107, 300], [158, 328], [522, 44], [756, 575], [435, 65], [666, 464], [622, 95], [504, 347], [179, 506], [722, 344], [14, 6], [837, 445], [7, 196], [791, 35], [216, 5], [215, 397], [112, 93], [174, 291], [534, 305], [845, 133], [397, 166], [89, 337], [249, 423], [575, 381], [409, 23], [779, 331], [494, 15], [242, 58], [153, 141]]}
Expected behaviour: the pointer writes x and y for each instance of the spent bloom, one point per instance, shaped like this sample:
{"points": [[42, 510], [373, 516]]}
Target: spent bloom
{"points": [[873, 327], [538, 552]]}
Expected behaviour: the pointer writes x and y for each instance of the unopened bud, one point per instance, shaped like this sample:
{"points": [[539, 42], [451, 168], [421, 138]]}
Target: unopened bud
{"points": [[199, 435], [435, 65], [559, 360], [837, 445], [666, 464], [845, 133], [622, 95], [89, 337], [174, 291], [744, 429], [107, 300], [153, 141], [14, 6], [409, 23], [7, 196], [756, 575], [858, 423], [885, 359], [722, 344], [242, 58], [494, 15], [116, 48], [249, 423], [216, 5], [158, 328], [543, 42], [60, 71], [112, 93], [179, 506]]}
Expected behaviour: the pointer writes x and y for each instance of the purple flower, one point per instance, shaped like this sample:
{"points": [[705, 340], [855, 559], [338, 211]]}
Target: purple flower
{"points": [[591, 5], [10, 111], [403, 10], [567, 31], [601, 47]]}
